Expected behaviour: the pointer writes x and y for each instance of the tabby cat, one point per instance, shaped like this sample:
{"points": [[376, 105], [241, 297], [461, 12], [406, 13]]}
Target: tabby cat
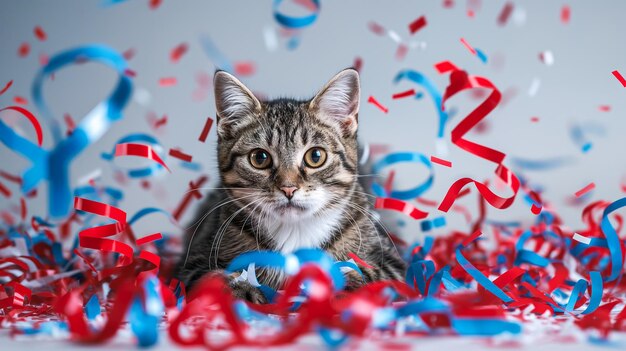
{"points": [[289, 180]]}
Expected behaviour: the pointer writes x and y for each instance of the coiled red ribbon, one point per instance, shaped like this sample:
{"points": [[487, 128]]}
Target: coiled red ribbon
{"points": [[460, 81]]}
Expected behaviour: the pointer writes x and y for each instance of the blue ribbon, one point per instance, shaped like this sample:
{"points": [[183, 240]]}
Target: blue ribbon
{"points": [[613, 240], [479, 277], [420, 79], [289, 263], [54, 164], [295, 22], [398, 157]]}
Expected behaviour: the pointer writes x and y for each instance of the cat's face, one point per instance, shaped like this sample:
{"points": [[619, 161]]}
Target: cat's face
{"points": [[285, 159]]}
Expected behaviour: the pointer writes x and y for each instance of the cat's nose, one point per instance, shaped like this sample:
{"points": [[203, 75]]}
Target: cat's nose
{"points": [[289, 190]]}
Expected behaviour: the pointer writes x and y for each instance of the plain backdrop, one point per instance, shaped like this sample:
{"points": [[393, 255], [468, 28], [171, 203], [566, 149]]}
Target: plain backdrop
{"points": [[586, 50]]}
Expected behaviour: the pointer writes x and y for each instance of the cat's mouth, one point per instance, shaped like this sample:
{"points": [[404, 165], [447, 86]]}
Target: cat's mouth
{"points": [[290, 207]]}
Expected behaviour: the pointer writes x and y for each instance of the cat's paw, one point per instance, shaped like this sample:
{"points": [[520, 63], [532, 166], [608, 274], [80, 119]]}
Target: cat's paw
{"points": [[244, 291]]}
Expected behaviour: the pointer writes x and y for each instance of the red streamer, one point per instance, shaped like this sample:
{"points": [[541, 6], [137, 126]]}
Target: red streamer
{"points": [[460, 81], [31, 118], [387, 203], [139, 150]]}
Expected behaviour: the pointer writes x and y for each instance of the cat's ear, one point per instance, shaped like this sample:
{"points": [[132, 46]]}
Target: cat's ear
{"points": [[236, 105], [338, 100]]}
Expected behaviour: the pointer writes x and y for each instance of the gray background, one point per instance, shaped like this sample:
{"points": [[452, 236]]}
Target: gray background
{"points": [[586, 51]]}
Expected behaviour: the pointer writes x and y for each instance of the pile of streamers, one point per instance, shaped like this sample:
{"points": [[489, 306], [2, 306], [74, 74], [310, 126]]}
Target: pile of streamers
{"points": [[106, 279]]}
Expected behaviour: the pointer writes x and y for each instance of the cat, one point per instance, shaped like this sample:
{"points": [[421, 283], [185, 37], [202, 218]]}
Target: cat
{"points": [[289, 180]]}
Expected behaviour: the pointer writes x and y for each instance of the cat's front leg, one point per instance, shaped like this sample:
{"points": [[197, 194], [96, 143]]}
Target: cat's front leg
{"points": [[243, 290]]}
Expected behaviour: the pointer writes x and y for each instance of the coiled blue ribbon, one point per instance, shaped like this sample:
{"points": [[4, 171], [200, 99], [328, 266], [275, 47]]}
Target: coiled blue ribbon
{"points": [[420, 79], [398, 157], [295, 22], [54, 164]]}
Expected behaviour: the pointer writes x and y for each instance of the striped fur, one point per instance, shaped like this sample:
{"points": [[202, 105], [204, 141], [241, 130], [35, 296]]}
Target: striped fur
{"points": [[329, 210]]}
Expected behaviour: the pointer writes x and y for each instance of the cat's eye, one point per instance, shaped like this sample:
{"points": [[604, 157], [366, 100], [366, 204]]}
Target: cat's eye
{"points": [[315, 157], [260, 159]]}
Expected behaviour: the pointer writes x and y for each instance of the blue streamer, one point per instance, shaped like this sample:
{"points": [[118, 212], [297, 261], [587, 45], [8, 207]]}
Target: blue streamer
{"points": [[479, 277], [398, 157], [54, 164], [420, 79], [290, 264], [144, 317], [613, 240], [295, 22]]}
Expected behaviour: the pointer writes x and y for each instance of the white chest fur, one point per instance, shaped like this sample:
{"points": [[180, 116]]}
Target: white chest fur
{"points": [[310, 232]]}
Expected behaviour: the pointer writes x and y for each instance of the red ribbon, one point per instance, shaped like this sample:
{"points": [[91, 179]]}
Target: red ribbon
{"points": [[460, 81]]}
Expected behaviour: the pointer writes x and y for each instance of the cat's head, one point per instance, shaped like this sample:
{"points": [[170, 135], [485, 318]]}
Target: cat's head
{"points": [[288, 159]]}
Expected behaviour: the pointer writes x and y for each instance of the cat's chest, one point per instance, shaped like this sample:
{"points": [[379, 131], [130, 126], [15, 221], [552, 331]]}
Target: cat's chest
{"points": [[306, 233]]}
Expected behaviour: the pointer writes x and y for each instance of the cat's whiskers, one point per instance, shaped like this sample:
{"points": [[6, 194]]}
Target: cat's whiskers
{"points": [[246, 220], [225, 202], [222, 231], [356, 225], [369, 214]]}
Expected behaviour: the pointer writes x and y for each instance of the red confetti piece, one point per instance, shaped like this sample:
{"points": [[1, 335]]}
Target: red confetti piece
{"points": [[178, 52], [401, 51], [417, 24], [358, 64], [10, 177], [468, 46], [69, 123], [565, 14], [375, 102], [244, 68], [448, 4], [4, 190], [585, 190], [604, 108], [620, 78], [376, 28], [129, 54], [358, 260], [154, 4], [387, 203], [43, 59], [167, 81], [160, 122], [534, 119], [6, 87], [192, 193], [403, 94], [149, 238], [130, 73], [505, 13], [180, 155], [206, 129], [23, 208], [440, 161], [31, 118], [40, 34], [23, 50], [20, 100], [139, 150]]}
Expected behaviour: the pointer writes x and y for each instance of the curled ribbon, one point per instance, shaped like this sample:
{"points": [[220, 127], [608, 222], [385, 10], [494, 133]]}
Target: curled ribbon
{"points": [[398, 157], [420, 79], [460, 81], [296, 22], [54, 164]]}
